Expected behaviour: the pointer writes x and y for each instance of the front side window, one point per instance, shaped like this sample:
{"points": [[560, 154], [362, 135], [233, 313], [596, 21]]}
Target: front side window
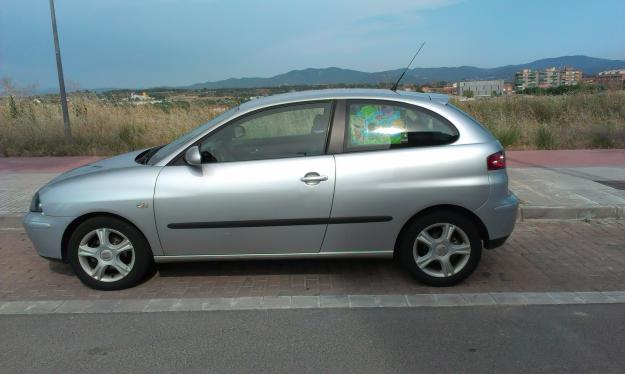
{"points": [[380, 125], [289, 131]]}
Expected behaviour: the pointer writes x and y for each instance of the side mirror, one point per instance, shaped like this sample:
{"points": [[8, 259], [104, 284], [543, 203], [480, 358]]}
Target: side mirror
{"points": [[193, 157]]}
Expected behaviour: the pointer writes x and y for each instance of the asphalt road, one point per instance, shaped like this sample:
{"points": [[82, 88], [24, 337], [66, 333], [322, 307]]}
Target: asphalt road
{"points": [[573, 338]]}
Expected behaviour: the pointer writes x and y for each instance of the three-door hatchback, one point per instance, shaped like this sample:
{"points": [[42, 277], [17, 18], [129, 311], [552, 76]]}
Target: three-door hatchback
{"points": [[330, 173]]}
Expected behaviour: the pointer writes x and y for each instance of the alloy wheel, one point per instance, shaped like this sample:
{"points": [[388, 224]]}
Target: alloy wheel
{"points": [[442, 250], [106, 255]]}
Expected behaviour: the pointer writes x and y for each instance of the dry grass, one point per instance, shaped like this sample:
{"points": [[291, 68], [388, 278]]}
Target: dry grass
{"points": [[98, 127], [554, 122], [103, 128]]}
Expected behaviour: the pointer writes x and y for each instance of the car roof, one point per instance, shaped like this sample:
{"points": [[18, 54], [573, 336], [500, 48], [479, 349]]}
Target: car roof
{"points": [[342, 93]]}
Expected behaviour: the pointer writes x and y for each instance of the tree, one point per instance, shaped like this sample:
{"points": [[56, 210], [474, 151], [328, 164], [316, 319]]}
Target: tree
{"points": [[467, 93]]}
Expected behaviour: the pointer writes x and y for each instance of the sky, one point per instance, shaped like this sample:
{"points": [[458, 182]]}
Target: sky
{"points": [[146, 43]]}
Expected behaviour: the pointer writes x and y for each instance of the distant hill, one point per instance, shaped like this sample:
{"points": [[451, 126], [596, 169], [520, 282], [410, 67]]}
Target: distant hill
{"points": [[334, 75]]}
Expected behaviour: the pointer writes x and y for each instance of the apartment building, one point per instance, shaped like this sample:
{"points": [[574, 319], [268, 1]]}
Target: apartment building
{"points": [[550, 77], [611, 79], [526, 78]]}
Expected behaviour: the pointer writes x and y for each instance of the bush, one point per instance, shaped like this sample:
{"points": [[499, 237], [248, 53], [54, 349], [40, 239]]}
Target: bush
{"points": [[544, 138], [507, 136], [131, 136], [13, 111]]}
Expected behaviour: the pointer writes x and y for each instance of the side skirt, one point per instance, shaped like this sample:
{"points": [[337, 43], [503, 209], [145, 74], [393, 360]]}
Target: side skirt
{"points": [[273, 256]]}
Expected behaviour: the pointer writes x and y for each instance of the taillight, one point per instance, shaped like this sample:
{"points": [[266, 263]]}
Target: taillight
{"points": [[496, 161]]}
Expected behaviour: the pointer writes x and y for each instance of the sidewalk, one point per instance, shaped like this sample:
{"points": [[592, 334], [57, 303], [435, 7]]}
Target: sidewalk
{"points": [[569, 184], [548, 256], [575, 184]]}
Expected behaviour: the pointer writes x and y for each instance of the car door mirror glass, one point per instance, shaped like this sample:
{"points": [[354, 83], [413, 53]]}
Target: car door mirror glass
{"points": [[192, 156]]}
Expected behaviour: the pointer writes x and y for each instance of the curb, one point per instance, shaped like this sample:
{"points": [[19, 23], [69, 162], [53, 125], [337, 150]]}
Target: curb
{"points": [[310, 302], [12, 221], [580, 213]]}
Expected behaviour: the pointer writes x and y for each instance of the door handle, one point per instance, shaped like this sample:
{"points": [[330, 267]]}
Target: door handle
{"points": [[313, 178]]}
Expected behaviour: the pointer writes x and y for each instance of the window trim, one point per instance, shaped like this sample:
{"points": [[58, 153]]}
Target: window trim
{"points": [[375, 148], [335, 144], [178, 160]]}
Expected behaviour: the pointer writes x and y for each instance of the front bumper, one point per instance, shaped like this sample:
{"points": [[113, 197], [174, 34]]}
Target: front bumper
{"points": [[46, 233]]}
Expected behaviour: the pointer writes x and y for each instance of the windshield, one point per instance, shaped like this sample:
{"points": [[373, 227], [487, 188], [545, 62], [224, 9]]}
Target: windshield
{"points": [[174, 145]]}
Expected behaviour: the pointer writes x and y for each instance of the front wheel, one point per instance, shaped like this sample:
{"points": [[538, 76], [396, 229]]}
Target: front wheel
{"points": [[109, 254], [441, 248]]}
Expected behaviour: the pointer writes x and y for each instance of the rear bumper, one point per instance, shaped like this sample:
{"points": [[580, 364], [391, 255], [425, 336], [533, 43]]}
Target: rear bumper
{"points": [[499, 217], [46, 233], [495, 243]]}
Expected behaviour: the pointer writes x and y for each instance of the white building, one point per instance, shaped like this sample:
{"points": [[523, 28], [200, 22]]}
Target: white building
{"points": [[481, 88]]}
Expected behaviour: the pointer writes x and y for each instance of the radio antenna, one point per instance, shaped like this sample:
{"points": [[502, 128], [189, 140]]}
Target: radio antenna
{"points": [[394, 88]]}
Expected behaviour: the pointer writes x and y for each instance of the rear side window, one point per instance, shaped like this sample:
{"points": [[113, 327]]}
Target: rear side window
{"points": [[374, 125]]}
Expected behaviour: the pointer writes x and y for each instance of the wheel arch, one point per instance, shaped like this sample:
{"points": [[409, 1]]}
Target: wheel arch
{"points": [[78, 220], [450, 208]]}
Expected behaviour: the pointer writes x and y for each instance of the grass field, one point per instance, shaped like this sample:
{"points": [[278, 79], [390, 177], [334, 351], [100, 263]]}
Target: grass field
{"points": [[554, 122], [32, 128]]}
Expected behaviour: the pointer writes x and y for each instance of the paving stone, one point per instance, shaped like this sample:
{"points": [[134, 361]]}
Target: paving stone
{"points": [[334, 301], [253, 302], [594, 297], [538, 298], [160, 305], [218, 303], [478, 299], [189, 305], [421, 300], [131, 306], [508, 298], [305, 301], [29, 307], [450, 300], [362, 301], [615, 295], [391, 300], [566, 298], [276, 302], [74, 306], [100, 306]]}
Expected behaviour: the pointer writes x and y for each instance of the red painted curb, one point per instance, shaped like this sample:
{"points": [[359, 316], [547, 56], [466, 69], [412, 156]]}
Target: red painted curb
{"points": [[44, 164]]}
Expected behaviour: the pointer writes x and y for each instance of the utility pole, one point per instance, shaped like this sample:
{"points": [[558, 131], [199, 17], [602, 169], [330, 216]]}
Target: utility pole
{"points": [[59, 67]]}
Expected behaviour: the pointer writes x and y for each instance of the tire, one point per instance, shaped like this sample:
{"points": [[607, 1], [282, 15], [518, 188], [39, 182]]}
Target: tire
{"points": [[114, 265], [433, 267]]}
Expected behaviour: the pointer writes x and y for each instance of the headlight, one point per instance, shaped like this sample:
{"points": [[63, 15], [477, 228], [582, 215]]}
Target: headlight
{"points": [[35, 204]]}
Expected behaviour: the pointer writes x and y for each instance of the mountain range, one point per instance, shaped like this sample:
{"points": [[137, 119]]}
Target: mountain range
{"points": [[334, 75]]}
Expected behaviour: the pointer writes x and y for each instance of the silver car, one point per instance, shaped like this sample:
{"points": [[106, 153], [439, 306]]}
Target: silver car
{"points": [[316, 174]]}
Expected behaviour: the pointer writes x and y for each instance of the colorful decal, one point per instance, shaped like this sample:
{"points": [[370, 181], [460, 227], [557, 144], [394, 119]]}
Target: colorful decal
{"points": [[376, 125]]}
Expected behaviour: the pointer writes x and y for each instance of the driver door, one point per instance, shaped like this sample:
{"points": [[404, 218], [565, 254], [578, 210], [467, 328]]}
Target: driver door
{"points": [[265, 186]]}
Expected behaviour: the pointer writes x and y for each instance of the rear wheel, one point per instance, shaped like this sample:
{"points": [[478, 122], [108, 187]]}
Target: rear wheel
{"points": [[440, 248], [109, 254]]}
